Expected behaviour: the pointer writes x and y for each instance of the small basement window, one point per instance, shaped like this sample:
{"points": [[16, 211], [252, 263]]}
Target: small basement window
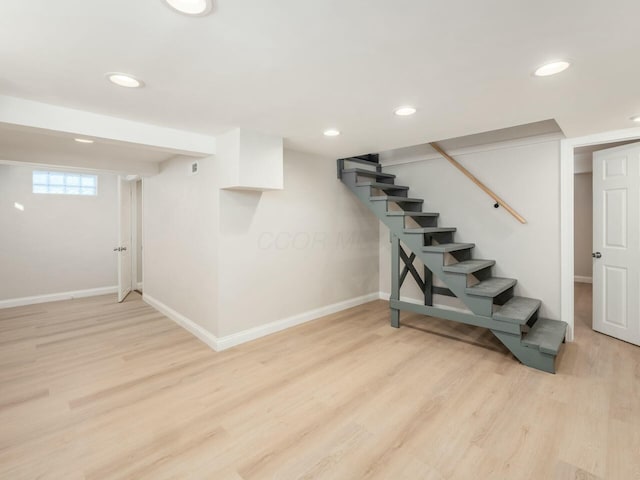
{"points": [[65, 183]]}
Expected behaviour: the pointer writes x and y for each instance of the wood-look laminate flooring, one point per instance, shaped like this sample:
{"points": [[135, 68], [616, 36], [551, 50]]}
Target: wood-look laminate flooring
{"points": [[92, 389]]}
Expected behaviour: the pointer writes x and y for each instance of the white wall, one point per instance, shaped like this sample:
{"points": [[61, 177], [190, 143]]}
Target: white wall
{"points": [[283, 253], [526, 176], [180, 239], [230, 261], [583, 224], [59, 243]]}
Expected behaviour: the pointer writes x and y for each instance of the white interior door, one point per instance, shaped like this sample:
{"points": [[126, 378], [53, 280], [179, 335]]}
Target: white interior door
{"points": [[616, 242], [124, 239]]}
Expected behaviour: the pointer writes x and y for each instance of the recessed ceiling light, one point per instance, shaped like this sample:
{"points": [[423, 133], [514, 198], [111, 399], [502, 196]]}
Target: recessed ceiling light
{"points": [[83, 140], [332, 132], [636, 118], [197, 8], [404, 111], [552, 68], [124, 80]]}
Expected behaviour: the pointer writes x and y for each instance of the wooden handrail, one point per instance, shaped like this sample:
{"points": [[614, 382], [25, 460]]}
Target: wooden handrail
{"points": [[486, 189]]}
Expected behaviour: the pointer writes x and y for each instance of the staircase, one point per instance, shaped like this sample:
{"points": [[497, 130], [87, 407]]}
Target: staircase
{"points": [[489, 300]]}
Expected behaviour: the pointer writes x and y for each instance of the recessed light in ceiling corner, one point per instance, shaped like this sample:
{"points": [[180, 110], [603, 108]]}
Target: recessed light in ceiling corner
{"points": [[552, 68], [83, 140], [124, 80], [194, 8], [405, 111], [636, 118], [331, 132]]}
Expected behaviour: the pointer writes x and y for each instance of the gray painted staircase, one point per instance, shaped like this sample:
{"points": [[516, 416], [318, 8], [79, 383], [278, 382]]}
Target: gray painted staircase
{"points": [[490, 300]]}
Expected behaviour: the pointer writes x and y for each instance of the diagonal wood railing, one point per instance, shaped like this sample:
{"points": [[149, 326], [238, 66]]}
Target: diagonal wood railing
{"points": [[482, 186]]}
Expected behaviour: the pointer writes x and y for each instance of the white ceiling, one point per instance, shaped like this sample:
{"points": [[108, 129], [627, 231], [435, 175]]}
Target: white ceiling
{"points": [[293, 68]]}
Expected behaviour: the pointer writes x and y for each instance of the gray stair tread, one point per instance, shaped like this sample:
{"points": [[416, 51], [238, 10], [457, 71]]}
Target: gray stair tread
{"points": [[491, 287], [382, 186], [368, 173], [404, 213], [430, 230], [391, 198], [468, 266], [447, 247], [517, 310], [546, 335], [361, 160]]}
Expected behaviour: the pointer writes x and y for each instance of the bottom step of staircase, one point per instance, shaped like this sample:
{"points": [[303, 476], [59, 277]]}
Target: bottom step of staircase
{"points": [[540, 346], [546, 335]]}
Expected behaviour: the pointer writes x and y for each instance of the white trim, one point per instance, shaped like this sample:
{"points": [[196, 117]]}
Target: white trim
{"points": [[139, 286], [186, 323], [487, 147], [56, 297], [134, 231], [234, 339], [567, 147], [222, 343], [582, 279]]}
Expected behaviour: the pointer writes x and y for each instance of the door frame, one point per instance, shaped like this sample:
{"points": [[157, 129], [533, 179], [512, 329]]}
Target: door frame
{"points": [[136, 240], [567, 147]]}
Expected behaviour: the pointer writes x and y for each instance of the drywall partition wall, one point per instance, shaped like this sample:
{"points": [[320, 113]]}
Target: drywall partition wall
{"points": [[180, 240], [583, 226], [58, 243], [526, 175], [249, 160], [285, 253], [225, 262]]}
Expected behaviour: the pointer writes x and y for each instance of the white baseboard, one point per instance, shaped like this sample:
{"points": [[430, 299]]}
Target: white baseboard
{"points": [[244, 336], [56, 297], [189, 325], [582, 279], [228, 341], [139, 286], [387, 296]]}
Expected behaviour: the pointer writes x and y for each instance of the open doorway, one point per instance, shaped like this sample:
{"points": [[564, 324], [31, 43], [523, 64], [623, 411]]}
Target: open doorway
{"points": [[603, 218], [130, 245]]}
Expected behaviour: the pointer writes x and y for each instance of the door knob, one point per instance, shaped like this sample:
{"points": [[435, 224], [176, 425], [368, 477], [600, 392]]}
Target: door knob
{"points": [[117, 249], [596, 255]]}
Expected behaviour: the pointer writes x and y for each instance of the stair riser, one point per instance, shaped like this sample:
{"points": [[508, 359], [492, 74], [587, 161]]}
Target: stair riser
{"points": [[480, 275], [440, 237], [407, 206], [353, 177], [394, 192], [504, 297], [421, 221]]}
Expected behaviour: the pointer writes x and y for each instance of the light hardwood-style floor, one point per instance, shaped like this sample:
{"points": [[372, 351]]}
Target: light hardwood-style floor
{"points": [[90, 389]]}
